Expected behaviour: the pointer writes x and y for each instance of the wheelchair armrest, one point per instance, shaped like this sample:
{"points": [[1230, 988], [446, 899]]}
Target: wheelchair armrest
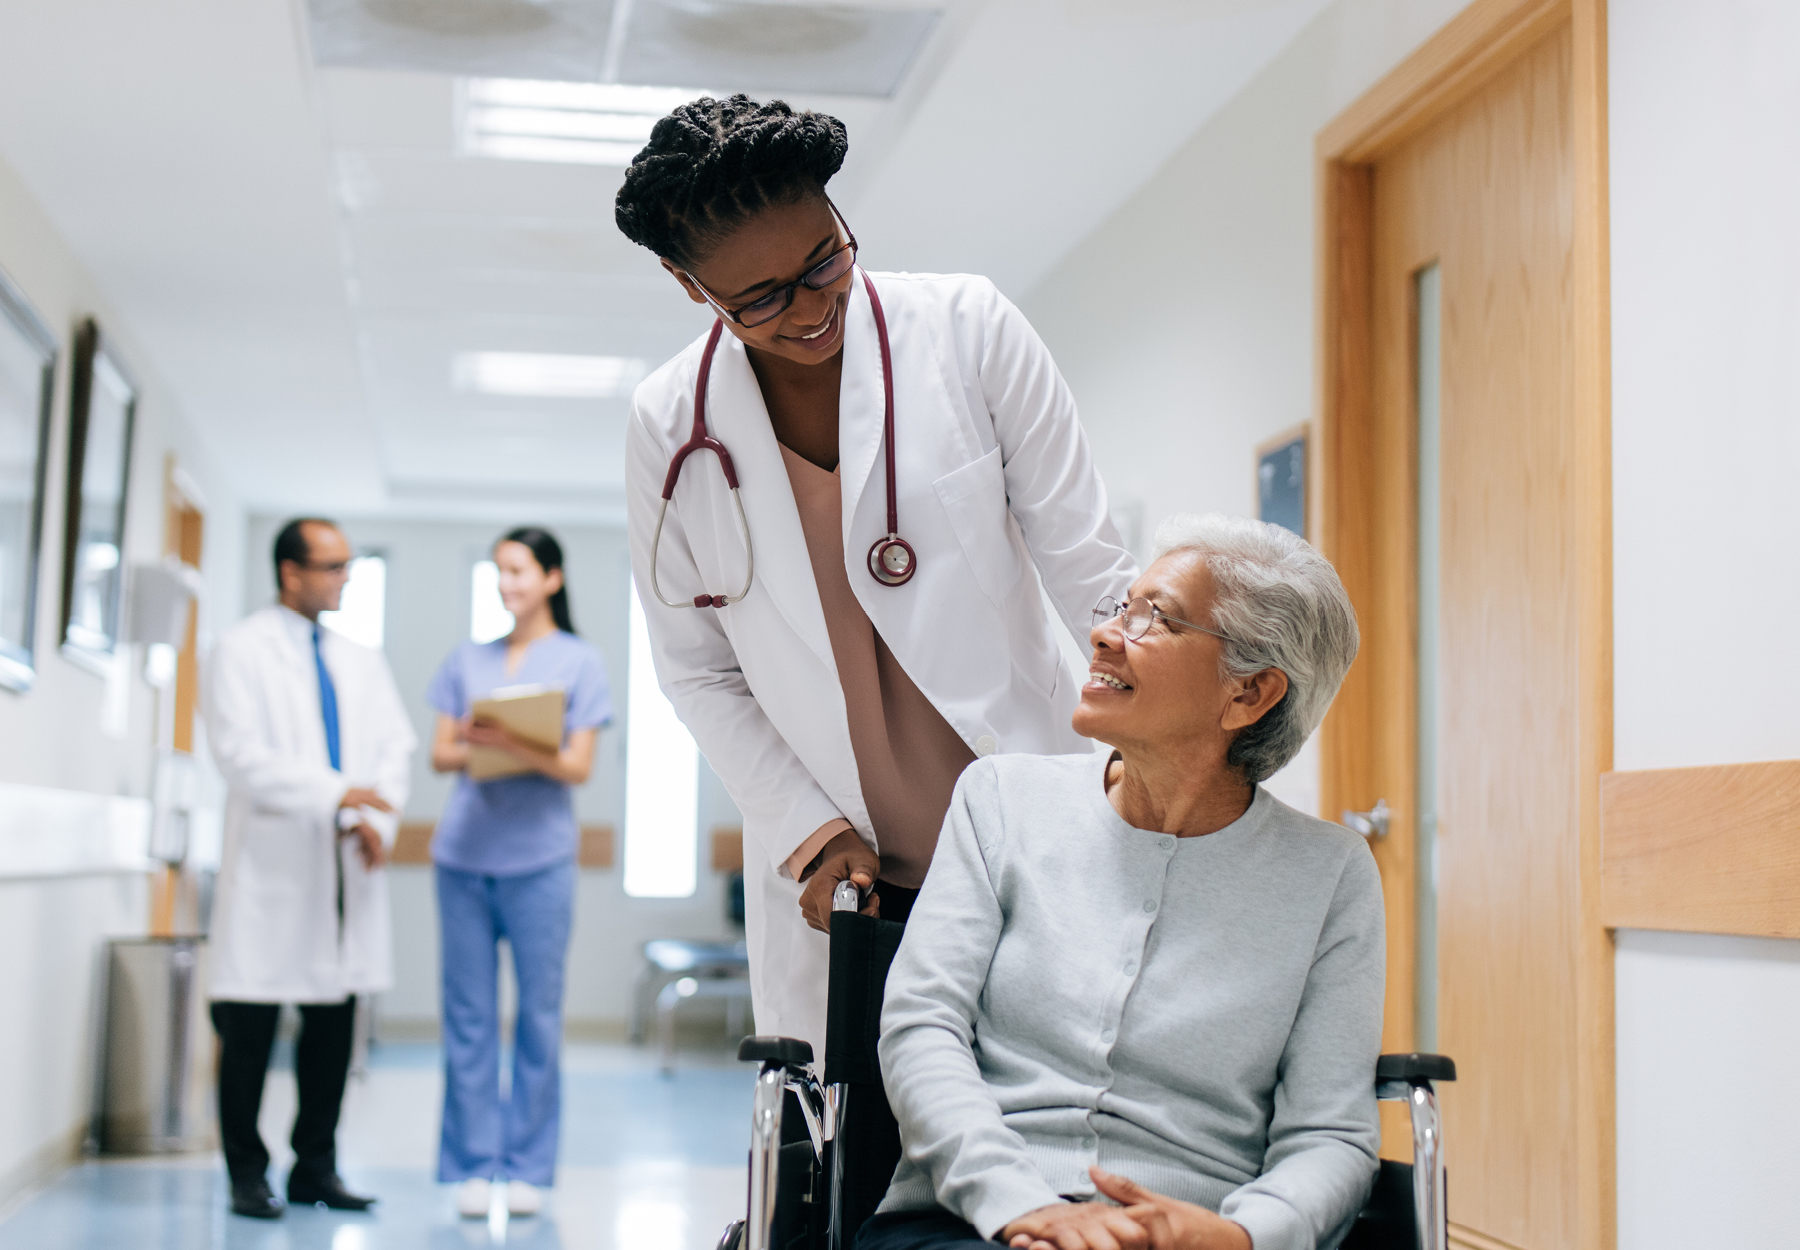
{"points": [[783, 1050], [1415, 1067]]}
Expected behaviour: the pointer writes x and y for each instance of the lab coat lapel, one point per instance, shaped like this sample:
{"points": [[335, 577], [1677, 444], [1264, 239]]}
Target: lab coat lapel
{"points": [[861, 409], [739, 419]]}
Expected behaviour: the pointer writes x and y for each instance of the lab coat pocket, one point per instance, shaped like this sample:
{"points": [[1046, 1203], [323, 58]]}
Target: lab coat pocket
{"points": [[974, 496]]}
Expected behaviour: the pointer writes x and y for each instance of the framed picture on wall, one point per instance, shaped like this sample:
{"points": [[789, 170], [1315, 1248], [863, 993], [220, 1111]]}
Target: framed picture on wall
{"points": [[102, 409], [27, 376], [1281, 480]]}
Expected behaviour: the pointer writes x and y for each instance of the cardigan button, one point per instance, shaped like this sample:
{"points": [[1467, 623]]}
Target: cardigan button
{"points": [[1149, 904]]}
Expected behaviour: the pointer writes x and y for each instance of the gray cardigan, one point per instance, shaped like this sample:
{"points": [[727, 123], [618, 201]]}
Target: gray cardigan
{"points": [[1201, 1015]]}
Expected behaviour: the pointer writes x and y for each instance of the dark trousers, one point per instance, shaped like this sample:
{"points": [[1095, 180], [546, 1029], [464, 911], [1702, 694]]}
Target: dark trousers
{"points": [[321, 1065], [896, 901], [918, 1230]]}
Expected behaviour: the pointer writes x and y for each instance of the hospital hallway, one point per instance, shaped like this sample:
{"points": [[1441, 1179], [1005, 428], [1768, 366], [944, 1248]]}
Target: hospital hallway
{"points": [[649, 1162], [516, 515]]}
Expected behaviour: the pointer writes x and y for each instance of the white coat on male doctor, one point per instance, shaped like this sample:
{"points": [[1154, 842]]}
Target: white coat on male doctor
{"points": [[275, 933], [993, 475]]}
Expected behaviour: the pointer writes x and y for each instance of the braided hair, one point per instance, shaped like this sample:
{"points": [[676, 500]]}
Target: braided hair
{"points": [[712, 164]]}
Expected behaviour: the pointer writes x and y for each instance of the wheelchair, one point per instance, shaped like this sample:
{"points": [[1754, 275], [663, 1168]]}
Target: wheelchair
{"points": [[822, 1153]]}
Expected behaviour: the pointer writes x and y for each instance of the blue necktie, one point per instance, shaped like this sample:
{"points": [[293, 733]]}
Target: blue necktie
{"points": [[327, 704]]}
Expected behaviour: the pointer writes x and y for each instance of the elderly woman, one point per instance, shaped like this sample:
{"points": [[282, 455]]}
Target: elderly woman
{"points": [[1139, 1000]]}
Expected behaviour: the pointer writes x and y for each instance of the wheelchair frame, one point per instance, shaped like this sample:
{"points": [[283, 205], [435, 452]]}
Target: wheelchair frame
{"points": [[786, 1068]]}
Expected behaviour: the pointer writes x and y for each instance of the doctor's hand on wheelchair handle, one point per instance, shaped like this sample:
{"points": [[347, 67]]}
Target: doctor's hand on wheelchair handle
{"points": [[845, 858], [1171, 1223]]}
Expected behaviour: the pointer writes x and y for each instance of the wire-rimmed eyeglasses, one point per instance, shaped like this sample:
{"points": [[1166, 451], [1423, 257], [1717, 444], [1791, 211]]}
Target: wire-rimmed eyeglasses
{"points": [[1137, 615], [772, 305]]}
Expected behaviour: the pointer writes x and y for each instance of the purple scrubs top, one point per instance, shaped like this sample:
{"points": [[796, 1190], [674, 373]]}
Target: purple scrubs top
{"points": [[515, 825]]}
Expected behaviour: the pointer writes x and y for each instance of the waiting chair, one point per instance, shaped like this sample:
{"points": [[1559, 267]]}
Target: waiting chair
{"points": [[822, 1154], [671, 960]]}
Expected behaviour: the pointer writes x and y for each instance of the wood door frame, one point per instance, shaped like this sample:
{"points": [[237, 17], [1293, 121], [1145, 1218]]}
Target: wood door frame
{"points": [[1467, 53]]}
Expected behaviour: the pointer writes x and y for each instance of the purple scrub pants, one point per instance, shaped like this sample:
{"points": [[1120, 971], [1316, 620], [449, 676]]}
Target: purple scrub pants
{"points": [[486, 1135]]}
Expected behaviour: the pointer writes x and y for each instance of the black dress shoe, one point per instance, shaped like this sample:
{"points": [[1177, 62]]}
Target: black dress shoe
{"points": [[255, 1200], [325, 1191]]}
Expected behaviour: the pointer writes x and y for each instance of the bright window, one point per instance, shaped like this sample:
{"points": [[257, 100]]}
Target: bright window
{"points": [[488, 617], [662, 774], [362, 612]]}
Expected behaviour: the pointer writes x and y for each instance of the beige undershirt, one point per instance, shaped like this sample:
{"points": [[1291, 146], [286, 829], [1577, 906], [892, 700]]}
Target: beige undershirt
{"points": [[906, 752]]}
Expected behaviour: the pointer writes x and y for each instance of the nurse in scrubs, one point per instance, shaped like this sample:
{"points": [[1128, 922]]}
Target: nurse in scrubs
{"points": [[504, 854], [837, 708]]}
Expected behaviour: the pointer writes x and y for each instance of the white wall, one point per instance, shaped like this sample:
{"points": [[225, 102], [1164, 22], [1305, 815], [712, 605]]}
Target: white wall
{"points": [[1184, 323], [53, 930], [427, 616], [1705, 145]]}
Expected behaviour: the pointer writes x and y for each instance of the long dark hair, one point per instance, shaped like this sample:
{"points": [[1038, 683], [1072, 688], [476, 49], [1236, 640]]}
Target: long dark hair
{"points": [[549, 554]]}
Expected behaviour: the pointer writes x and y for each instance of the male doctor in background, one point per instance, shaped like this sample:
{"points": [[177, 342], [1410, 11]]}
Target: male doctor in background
{"points": [[315, 745]]}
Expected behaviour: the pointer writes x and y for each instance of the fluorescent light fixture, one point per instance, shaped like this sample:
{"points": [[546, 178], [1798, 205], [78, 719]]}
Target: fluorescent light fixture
{"points": [[576, 123], [662, 779], [546, 376]]}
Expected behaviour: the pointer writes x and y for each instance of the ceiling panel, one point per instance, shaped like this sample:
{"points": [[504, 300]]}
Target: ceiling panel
{"points": [[649, 298], [399, 181], [830, 49], [467, 242], [554, 39]]}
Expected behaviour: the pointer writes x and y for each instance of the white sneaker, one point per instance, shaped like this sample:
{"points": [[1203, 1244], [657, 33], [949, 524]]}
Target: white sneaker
{"points": [[523, 1198], [473, 1197]]}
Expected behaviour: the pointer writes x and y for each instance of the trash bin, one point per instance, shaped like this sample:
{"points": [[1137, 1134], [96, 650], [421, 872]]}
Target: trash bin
{"points": [[157, 1084]]}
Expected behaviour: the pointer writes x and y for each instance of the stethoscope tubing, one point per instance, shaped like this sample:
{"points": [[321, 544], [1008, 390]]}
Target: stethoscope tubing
{"points": [[700, 439], [891, 559]]}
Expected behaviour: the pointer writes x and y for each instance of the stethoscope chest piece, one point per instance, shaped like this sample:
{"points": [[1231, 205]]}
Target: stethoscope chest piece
{"points": [[891, 560]]}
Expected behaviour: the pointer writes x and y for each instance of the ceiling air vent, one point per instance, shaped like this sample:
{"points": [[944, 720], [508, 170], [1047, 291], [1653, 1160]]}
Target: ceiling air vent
{"points": [[805, 48], [563, 39], [748, 45]]}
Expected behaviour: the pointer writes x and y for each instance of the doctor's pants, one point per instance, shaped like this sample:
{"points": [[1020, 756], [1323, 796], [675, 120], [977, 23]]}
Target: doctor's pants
{"points": [[486, 1135], [321, 1065]]}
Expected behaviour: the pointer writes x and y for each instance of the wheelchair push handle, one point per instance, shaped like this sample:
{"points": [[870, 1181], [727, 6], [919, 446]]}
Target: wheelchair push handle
{"points": [[847, 897]]}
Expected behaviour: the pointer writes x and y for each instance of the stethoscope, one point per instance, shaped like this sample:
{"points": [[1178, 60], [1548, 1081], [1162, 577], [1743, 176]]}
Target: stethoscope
{"points": [[891, 559]]}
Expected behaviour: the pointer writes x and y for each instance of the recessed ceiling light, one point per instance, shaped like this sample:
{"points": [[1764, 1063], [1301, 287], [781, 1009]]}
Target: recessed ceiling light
{"points": [[578, 123], [546, 376]]}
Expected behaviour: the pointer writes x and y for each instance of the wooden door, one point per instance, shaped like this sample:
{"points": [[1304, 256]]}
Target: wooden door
{"points": [[184, 538], [1466, 479]]}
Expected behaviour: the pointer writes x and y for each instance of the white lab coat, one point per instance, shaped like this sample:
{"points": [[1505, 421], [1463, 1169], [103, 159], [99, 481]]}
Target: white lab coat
{"points": [[275, 931], [994, 476]]}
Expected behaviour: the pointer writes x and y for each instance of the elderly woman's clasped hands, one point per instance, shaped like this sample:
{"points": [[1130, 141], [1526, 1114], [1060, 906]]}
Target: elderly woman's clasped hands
{"points": [[1141, 1221]]}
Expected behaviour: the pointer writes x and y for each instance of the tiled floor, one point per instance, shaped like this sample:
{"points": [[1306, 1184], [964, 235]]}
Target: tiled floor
{"points": [[648, 1163]]}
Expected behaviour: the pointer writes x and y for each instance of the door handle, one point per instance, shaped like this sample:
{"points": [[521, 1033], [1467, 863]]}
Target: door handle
{"points": [[1371, 824]]}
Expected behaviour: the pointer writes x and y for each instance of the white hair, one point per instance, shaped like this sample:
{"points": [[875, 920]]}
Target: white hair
{"points": [[1280, 605]]}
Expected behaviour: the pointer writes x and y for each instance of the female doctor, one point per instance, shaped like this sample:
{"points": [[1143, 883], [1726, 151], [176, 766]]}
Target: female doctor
{"points": [[842, 587]]}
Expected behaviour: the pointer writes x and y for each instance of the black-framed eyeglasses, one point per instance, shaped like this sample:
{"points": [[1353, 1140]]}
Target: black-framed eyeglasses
{"points": [[1137, 615], [335, 566], [776, 302]]}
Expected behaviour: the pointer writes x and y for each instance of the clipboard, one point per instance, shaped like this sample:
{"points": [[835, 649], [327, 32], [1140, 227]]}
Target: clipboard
{"points": [[531, 713]]}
